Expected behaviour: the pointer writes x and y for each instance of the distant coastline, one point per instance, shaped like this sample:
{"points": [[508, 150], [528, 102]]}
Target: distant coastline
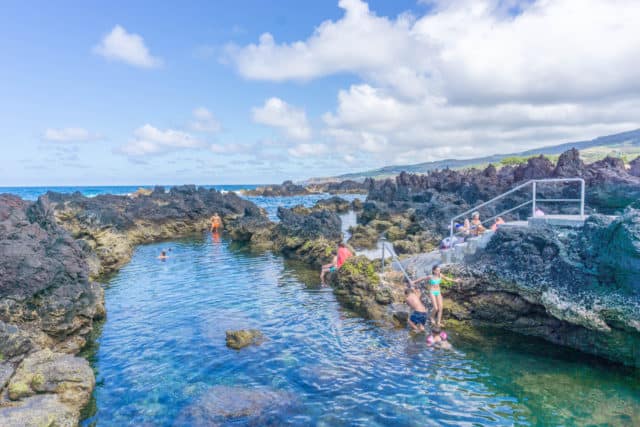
{"points": [[33, 192]]}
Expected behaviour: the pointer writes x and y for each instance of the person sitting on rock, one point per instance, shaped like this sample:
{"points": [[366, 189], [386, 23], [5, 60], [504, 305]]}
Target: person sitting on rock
{"points": [[476, 225], [466, 227], [434, 280], [418, 317], [339, 257], [216, 223], [498, 223], [163, 255]]}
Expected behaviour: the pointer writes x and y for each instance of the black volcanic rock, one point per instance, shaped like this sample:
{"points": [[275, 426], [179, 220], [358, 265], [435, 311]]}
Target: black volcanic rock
{"points": [[634, 167], [43, 272], [580, 288], [112, 225], [315, 225], [286, 189], [569, 165]]}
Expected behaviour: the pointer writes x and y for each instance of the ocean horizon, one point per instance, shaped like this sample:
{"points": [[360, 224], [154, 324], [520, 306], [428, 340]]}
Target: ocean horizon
{"points": [[33, 192]]}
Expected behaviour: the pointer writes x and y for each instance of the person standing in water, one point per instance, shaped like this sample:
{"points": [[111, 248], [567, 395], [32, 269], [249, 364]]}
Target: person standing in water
{"points": [[434, 280], [418, 317], [216, 223]]}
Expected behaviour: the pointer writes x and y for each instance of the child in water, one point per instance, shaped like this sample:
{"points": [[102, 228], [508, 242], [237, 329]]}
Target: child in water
{"points": [[163, 255], [438, 338], [418, 317], [434, 280]]}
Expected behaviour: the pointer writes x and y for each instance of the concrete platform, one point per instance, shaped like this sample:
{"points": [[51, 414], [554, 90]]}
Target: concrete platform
{"points": [[557, 221]]}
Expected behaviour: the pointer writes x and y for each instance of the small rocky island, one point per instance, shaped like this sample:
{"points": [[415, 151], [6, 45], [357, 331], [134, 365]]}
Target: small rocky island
{"points": [[578, 288]]}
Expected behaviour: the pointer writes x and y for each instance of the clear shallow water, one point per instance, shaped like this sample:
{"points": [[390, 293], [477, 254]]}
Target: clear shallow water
{"points": [[163, 346]]}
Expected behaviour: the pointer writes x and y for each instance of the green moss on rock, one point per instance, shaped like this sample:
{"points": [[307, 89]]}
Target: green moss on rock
{"points": [[18, 390], [363, 237], [396, 233]]}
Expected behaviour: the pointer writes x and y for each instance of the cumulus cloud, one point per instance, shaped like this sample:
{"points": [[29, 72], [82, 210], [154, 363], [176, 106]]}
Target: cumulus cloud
{"points": [[204, 121], [469, 77], [308, 150], [70, 134], [289, 119], [148, 140], [119, 45]]}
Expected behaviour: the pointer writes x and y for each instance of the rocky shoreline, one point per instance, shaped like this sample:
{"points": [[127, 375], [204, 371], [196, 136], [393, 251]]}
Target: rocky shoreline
{"points": [[51, 251], [289, 189], [579, 290]]}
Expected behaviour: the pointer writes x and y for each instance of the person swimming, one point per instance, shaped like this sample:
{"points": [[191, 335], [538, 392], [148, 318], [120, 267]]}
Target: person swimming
{"points": [[434, 280], [438, 338], [163, 255], [418, 317]]}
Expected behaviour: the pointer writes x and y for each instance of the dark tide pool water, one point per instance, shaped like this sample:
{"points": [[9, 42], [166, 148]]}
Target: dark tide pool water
{"points": [[163, 346]]}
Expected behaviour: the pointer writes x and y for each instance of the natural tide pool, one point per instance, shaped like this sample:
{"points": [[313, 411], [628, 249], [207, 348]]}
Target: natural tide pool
{"points": [[163, 346]]}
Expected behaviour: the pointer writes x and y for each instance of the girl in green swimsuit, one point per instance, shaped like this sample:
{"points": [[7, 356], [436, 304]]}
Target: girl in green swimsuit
{"points": [[434, 280]]}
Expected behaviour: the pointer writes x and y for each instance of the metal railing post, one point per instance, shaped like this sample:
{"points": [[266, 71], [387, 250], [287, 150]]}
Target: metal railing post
{"points": [[533, 198], [582, 197], [451, 233]]}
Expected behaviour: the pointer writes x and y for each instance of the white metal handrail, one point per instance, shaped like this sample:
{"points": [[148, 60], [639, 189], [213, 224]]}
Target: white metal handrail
{"points": [[393, 257], [533, 200]]}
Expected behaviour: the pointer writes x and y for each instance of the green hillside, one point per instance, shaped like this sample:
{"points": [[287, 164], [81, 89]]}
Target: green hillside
{"points": [[625, 145]]}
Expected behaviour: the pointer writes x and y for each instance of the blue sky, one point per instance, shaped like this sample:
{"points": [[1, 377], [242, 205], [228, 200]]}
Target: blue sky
{"points": [[142, 93]]}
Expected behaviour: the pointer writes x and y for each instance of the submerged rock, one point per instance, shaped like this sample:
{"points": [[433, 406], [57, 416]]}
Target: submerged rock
{"points": [[243, 338], [226, 404]]}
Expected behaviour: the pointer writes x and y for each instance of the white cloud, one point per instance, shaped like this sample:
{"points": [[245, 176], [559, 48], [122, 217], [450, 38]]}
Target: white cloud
{"points": [[70, 135], [467, 78], [204, 121], [119, 45], [289, 119], [149, 140], [233, 148], [307, 150]]}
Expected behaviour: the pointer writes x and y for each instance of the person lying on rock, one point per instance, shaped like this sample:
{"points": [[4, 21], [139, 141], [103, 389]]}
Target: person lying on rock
{"points": [[339, 257], [434, 280], [418, 317]]}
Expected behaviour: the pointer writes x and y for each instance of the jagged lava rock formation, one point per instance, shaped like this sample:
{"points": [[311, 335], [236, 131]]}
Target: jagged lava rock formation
{"points": [[47, 308], [113, 225], [578, 288], [429, 201]]}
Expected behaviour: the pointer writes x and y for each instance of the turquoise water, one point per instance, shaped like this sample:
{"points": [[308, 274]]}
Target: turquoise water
{"points": [[163, 346]]}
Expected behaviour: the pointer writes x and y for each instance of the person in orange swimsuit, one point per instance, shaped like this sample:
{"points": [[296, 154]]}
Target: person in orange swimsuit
{"points": [[216, 223]]}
